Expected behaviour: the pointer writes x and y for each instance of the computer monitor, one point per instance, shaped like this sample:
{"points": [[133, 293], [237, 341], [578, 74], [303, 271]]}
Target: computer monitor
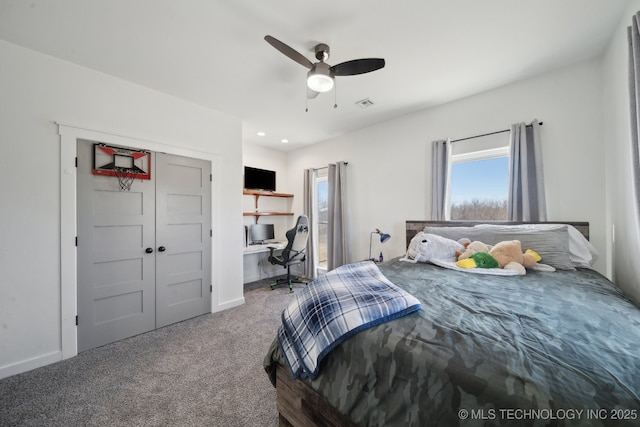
{"points": [[260, 233]]}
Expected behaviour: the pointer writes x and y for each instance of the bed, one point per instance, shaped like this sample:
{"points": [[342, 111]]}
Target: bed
{"points": [[545, 348]]}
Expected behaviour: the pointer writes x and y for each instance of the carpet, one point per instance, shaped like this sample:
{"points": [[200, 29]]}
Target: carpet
{"points": [[205, 371]]}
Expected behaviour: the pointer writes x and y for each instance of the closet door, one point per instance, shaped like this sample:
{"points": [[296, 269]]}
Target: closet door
{"points": [[116, 274], [183, 238]]}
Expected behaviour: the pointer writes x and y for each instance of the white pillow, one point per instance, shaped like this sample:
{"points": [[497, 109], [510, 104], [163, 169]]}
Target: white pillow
{"points": [[581, 252]]}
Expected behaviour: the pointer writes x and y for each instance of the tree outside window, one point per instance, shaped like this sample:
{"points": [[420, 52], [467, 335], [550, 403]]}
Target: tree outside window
{"points": [[479, 181]]}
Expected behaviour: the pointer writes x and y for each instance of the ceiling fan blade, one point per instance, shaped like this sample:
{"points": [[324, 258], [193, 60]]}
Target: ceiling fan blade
{"points": [[288, 51], [357, 66]]}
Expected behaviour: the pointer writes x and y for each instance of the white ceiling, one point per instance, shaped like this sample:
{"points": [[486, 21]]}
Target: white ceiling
{"points": [[213, 53]]}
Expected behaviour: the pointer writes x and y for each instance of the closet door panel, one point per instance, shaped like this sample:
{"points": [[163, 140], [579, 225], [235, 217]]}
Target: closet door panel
{"points": [[116, 276], [183, 241]]}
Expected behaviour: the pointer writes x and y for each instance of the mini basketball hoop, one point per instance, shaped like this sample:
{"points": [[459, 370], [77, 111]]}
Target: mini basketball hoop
{"points": [[126, 164], [125, 177]]}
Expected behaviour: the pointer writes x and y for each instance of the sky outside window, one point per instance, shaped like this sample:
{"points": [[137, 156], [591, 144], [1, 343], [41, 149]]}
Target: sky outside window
{"points": [[486, 179]]}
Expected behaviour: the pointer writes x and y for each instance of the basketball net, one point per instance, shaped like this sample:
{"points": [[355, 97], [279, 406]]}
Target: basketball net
{"points": [[125, 178]]}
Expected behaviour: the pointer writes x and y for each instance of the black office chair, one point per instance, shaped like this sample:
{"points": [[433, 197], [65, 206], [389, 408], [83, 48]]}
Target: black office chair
{"points": [[294, 253]]}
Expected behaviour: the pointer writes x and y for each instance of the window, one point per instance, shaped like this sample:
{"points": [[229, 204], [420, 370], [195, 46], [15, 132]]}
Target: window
{"points": [[479, 184], [322, 214]]}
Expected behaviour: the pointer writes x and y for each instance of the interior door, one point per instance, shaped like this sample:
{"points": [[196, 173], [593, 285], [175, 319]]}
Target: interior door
{"points": [[116, 275], [183, 238], [144, 255]]}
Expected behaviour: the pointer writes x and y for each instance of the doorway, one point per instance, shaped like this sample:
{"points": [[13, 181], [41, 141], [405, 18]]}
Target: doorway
{"points": [[144, 254]]}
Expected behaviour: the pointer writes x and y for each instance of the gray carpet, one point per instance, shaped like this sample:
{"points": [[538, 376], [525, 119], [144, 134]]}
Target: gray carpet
{"points": [[205, 371]]}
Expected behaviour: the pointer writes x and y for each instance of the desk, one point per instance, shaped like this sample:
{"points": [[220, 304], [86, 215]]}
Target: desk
{"points": [[256, 265], [254, 249]]}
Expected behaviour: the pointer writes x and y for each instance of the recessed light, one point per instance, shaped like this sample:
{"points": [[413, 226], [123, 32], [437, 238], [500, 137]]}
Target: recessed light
{"points": [[284, 141], [261, 134]]}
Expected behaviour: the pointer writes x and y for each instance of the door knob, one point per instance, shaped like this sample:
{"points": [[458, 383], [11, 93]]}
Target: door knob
{"points": [[149, 250], [162, 249]]}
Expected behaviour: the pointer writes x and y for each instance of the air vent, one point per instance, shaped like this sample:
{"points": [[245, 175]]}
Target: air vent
{"points": [[365, 103]]}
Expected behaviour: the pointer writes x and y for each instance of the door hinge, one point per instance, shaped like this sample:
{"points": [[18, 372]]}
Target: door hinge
{"points": [[211, 232], [211, 177], [76, 320], [76, 241], [211, 288], [76, 162]]}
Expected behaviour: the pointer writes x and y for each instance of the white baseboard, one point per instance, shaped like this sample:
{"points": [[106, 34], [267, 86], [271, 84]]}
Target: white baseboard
{"points": [[29, 364], [228, 305]]}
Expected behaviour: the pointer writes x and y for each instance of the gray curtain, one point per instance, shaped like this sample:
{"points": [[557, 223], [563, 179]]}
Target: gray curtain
{"points": [[311, 264], [526, 183], [336, 230], [633, 34], [440, 173]]}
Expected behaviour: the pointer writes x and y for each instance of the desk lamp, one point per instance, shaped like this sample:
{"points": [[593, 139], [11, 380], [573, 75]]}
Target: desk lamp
{"points": [[383, 238]]}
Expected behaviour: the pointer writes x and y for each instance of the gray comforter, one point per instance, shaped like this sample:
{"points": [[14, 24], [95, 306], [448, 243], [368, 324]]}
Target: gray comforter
{"points": [[548, 348]]}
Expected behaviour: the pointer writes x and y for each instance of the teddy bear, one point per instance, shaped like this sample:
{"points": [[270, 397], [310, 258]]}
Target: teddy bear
{"points": [[471, 247], [508, 255], [425, 246]]}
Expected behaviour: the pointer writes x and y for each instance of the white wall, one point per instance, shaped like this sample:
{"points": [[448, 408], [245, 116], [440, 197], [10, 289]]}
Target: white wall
{"points": [[389, 164], [36, 91], [621, 211]]}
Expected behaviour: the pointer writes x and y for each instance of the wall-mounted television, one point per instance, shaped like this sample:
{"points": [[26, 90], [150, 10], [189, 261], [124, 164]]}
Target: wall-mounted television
{"points": [[259, 179]]}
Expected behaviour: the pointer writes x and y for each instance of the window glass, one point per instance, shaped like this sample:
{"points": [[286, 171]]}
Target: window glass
{"points": [[479, 184], [322, 215], [479, 189]]}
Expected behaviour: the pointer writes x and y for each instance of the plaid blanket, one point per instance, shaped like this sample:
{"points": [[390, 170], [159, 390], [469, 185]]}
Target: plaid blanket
{"points": [[334, 307]]}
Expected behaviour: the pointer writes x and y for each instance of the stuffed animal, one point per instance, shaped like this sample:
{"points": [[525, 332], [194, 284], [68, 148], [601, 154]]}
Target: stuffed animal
{"points": [[511, 251], [479, 260], [508, 255], [425, 246], [471, 248]]}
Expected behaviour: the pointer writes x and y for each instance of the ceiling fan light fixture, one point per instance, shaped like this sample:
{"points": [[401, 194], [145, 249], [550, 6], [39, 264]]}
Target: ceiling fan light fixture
{"points": [[320, 82], [319, 79]]}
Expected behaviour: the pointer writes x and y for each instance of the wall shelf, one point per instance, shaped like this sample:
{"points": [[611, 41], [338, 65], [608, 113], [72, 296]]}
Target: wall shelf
{"points": [[257, 194], [266, 213]]}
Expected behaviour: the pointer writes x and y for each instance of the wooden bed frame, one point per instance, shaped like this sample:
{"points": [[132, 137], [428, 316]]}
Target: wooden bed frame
{"points": [[301, 406]]}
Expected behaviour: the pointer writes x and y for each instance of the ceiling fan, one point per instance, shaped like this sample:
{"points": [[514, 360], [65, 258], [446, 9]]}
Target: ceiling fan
{"points": [[320, 76]]}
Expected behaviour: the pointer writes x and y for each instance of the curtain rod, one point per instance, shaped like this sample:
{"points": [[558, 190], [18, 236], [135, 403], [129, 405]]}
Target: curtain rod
{"points": [[487, 134], [327, 167]]}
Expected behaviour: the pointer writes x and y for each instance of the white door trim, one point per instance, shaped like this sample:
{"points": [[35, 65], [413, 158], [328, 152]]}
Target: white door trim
{"points": [[68, 219]]}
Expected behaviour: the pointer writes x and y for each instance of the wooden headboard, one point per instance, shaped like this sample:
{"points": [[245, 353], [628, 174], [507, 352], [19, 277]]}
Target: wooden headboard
{"points": [[414, 226]]}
